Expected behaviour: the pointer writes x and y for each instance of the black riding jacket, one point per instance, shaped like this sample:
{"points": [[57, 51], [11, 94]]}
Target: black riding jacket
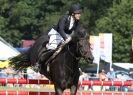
{"points": [[63, 26]]}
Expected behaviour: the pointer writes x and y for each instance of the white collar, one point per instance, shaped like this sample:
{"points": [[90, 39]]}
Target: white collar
{"points": [[71, 22]]}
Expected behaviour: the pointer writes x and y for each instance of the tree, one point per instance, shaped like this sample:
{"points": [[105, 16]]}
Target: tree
{"points": [[28, 18], [119, 21]]}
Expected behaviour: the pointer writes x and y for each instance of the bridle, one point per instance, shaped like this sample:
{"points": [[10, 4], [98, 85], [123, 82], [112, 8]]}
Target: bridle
{"points": [[78, 49]]}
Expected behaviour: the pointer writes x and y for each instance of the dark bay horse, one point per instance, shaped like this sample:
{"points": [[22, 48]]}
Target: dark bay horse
{"points": [[64, 68]]}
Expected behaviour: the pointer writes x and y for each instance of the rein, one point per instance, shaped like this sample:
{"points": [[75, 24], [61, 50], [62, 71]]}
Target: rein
{"points": [[77, 49], [72, 54]]}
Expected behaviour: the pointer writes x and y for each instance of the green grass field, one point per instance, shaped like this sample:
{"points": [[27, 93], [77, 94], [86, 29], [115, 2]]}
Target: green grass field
{"points": [[36, 88]]}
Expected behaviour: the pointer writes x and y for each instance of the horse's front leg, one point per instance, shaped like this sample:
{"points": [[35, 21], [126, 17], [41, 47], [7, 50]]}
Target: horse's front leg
{"points": [[58, 90], [73, 89]]}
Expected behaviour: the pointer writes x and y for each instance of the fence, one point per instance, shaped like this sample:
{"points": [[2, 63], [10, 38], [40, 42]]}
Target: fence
{"points": [[88, 83], [65, 93]]}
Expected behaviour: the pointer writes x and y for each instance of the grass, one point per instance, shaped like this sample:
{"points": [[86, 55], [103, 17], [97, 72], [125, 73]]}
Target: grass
{"points": [[36, 88], [43, 88]]}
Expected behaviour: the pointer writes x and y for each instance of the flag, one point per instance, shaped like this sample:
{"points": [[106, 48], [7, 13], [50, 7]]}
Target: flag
{"points": [[95, 45], [106, 47]]}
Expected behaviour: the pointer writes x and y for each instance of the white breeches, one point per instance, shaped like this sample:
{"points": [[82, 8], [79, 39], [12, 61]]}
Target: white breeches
{"points": [[55, 39]]}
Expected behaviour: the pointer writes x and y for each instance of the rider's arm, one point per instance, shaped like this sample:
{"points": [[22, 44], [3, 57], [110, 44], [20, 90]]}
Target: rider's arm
{"points": [[61, 27]]}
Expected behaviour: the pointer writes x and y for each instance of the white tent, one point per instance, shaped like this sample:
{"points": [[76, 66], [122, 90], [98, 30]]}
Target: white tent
{"points": [[124, 65], [6, 50]]}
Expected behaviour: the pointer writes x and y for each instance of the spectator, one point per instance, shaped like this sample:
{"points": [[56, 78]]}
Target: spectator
{"points": [[83, 76], [111, 76], [30, 73], [3, 75], [103, 77], [10, 72]]}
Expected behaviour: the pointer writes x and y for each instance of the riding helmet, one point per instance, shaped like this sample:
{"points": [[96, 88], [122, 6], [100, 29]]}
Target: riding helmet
{"points": [[75, 9]]}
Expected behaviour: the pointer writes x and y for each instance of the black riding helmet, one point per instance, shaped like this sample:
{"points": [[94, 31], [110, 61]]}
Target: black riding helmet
{"points": [[75, 9]]}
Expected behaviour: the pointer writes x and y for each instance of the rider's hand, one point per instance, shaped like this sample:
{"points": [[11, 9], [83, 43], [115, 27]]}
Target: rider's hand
{"points": [[68, 39]]}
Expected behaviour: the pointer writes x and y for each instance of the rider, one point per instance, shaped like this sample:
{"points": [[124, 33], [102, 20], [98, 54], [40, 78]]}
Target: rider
{"points": [[66, 25], [62, 31]]}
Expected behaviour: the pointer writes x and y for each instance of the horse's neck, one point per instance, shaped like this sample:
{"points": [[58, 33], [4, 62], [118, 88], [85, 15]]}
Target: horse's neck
{"points": [[69, 53], [71, 47]]}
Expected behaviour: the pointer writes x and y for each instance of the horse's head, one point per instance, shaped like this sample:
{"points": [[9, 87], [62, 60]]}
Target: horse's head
{"points": [[82, 39]]}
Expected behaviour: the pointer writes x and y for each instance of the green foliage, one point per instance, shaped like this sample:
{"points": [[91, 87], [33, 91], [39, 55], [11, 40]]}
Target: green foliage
{"points": [[119, 21], [20, 18], [2, 23]]}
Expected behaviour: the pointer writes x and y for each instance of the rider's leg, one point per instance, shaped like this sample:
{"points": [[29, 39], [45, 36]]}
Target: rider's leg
{"points": [[54, 40], [43, 57]]}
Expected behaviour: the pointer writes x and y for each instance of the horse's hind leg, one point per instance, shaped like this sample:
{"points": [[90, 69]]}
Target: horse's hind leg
{"points": [[73, 90], [58, 91]]}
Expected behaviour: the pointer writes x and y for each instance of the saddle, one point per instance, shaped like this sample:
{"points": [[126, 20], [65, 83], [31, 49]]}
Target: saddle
{"points": [[46, 56]]}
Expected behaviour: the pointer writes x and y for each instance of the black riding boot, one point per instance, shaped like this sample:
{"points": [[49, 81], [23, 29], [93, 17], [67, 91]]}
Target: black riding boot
{"points": [[43, 57]]}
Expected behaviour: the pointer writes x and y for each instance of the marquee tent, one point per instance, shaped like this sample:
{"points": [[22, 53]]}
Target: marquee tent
{"points": [[6, 50]]}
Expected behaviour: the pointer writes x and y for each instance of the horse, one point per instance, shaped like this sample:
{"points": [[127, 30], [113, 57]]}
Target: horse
{"points": [[64, 67]]}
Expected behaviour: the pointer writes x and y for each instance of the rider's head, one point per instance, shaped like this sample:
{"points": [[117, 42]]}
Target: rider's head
{"points": [[75, 10]]}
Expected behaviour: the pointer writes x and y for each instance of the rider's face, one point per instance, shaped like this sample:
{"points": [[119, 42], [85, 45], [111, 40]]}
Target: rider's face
{"points": [[77, 16]]}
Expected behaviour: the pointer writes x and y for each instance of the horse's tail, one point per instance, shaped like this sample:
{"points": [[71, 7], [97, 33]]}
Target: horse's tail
{"points": [[21, 61]]}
